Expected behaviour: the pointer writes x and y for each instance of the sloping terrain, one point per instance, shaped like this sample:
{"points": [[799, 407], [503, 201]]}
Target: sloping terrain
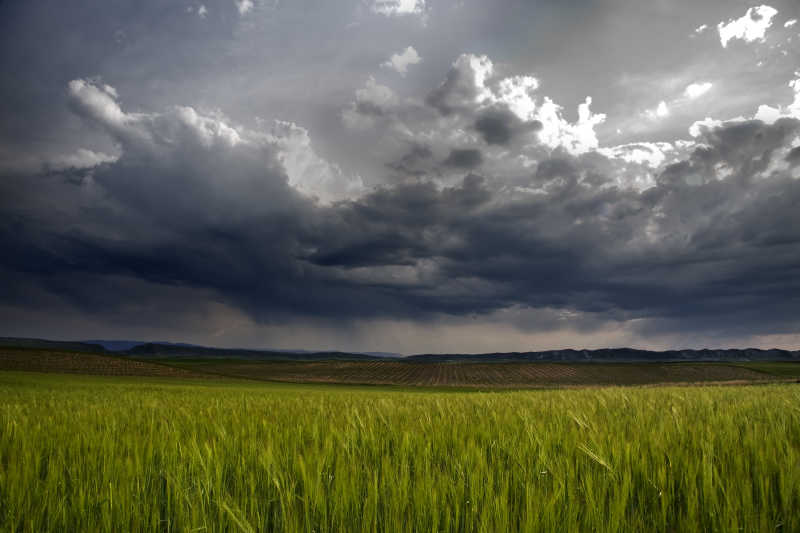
{"points": [[404, 373], [30, 360], [491, 375], [162, 350]]}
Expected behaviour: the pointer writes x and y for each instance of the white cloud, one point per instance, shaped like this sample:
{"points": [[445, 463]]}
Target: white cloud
{"points": [[701, 29], [99, 101], [794, 107], [517, 92], [244, 6], [771, 114], [749, 28], [34, 163], [790, 23], [471, 87], [82, 158], [708, 123], [699, 125], [576, 138], [661, 111], [398, 7], [372, 102], [183, 136], [696, 90], [478, 70], [207, 130], [643, 153], [400, 62], [202, 11], [377, 94], [765, 113], [307, 172]]}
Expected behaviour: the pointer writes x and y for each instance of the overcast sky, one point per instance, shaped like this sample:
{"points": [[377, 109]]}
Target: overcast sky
{"points": [[402, 175]]}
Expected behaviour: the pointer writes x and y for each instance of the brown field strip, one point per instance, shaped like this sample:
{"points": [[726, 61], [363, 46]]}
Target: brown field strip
{"points": [[490, 375], [29, 360], [470, 375]]}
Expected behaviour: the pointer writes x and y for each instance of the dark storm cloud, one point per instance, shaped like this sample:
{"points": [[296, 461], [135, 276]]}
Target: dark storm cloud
{"points": [[465, 158], [175, 200], [459, 91], [793, 157], [441, 97], [413, 163], [498, 125], [715, 240]]}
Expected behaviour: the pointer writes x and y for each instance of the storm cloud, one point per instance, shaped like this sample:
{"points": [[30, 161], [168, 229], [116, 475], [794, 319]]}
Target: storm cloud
{"points": [[469, 198]]}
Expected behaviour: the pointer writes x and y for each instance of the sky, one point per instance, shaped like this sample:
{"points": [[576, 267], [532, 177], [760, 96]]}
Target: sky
{"points": [[402, 175]]}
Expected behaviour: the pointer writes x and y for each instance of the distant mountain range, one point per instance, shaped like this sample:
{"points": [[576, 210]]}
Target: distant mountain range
{"points": [[144, 350], [618, 355]]}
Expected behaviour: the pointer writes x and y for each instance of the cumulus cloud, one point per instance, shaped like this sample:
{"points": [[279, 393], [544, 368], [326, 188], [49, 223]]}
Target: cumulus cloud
{"points": [[660, 111], [576, 138], [16, 163], [400, 62], [200, 10], [467, 87], [653, 154], [749, 28], [81, 159], [764, 113], [708, 123], [373, 101], [696, 90], [467, 158], [464, 86], [789, 23], [504, 208], [307, 172], [100, 102], [184, 132], [398, 7], [244, 6]]}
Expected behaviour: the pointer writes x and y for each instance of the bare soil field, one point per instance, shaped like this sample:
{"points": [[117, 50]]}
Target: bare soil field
{"points": [[414, 374], [491, 375], [30, 360]]}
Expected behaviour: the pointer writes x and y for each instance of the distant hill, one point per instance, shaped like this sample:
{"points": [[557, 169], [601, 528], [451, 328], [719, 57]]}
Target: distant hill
{"points": [[184, 349], [177, 350], [42, 344], [145, 350], [617, 355], [152, 350], [114, 346]]}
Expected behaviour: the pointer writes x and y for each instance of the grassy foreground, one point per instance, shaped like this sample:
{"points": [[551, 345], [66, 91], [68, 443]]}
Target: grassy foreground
{"points": [[133, 454]]}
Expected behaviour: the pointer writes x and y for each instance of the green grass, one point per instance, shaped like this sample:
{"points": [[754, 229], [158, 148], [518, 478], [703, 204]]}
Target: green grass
{"points": [[782, 369], [131, 454]]}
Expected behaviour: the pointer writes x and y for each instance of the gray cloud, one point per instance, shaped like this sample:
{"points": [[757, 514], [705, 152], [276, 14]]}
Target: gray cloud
{"points": [[466, 158], [715, 240], [112, 199], [499, 126]]}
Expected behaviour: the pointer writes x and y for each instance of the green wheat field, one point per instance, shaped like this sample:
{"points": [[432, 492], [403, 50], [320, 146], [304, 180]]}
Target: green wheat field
{"points": [[82, 453]]}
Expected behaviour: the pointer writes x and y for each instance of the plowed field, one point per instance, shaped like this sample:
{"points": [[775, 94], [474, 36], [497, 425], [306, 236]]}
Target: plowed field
{"points": [[509, 375], [475, 375], [28, 360]]}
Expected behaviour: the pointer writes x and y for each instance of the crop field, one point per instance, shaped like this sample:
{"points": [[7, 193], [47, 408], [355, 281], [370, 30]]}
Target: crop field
{"points": [[494, 375], [470, 375], [87, 453], [34, 360]]}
